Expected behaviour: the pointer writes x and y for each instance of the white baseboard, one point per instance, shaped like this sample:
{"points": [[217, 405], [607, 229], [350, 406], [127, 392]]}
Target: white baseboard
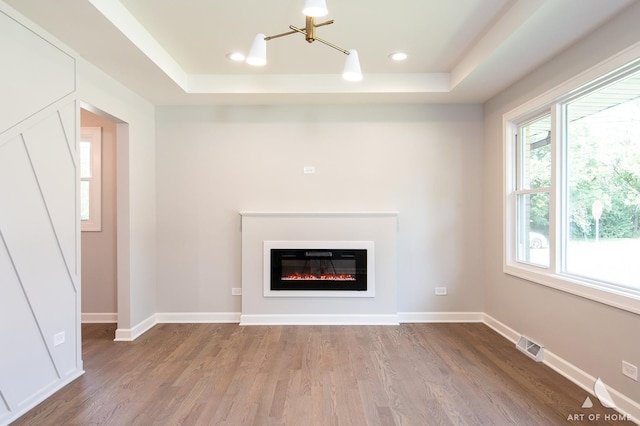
{"points": [[318, 319], [624, 405], [419, 317], [99, 318], [198, 317], [506, 332], [131, 334]]}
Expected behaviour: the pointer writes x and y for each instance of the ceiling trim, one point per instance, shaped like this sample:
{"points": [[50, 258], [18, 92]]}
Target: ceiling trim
{"points": [[130, 27], [319, 83], [513, 16]]}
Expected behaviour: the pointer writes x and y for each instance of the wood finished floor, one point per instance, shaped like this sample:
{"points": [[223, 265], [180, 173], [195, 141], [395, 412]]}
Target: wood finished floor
{"points": [[224, 374]]}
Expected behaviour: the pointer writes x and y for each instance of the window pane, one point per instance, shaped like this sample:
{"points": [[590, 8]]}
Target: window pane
{"points": [[84, 200], [533, 228], [536, 154], [603, 176], [85, 159]]}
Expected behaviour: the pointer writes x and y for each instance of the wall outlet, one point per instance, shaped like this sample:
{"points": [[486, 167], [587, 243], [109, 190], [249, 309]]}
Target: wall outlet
{"points": [[236, 291], [308, 170], [58, 338], [441, 291], [630, 370]]}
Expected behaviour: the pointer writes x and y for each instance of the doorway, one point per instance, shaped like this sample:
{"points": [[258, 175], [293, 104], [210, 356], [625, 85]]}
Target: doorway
{"points": [[99, 256]]}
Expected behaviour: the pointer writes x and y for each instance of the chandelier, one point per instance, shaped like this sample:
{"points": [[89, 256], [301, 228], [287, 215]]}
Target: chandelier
{"points": [[312, 10]]}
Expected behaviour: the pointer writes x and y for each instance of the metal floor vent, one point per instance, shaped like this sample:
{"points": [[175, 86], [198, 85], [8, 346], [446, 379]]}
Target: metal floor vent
{"points": [[530, 349]]}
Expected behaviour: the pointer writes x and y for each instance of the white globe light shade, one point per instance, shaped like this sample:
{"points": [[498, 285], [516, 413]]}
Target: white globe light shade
{"points": [[315, 8], [258, 53], [352, 67]]}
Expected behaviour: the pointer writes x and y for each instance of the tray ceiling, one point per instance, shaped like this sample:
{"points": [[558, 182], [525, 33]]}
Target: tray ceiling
{"points": [[460, 51]]}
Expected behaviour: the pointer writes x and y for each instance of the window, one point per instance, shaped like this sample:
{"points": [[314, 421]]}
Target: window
{"points": [[533, 182], [90, 178], [572, 188], [603, 184]]}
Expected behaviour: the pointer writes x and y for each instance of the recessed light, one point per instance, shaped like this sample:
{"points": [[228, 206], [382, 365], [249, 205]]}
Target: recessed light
{"points": [[398, 56], [235, 56]]}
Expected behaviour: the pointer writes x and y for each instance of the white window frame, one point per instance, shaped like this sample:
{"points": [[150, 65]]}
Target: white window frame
{"points": [[550, 102], [94, 136]]}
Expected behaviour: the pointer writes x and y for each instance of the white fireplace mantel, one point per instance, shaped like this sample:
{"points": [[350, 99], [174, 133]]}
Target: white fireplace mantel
{"points": [[378, 227], [328, 214], [373, 213]]}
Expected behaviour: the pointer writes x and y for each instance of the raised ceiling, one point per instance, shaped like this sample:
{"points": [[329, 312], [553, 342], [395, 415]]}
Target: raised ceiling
{"points": [[460, 51]]}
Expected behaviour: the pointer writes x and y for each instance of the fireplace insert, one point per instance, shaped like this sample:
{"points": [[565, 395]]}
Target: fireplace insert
{"points": [[319, 269]]}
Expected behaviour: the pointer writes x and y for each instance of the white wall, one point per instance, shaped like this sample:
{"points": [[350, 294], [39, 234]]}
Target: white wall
{"points": [[42, 83], [423, 161], [136, 197], [592, 336]]}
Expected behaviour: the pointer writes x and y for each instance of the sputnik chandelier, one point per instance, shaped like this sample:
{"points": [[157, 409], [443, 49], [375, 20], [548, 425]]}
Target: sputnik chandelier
{"points": [[312, 10]]}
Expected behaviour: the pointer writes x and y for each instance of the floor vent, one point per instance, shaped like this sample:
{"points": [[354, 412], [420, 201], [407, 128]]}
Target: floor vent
{"points": [[530, 348]]}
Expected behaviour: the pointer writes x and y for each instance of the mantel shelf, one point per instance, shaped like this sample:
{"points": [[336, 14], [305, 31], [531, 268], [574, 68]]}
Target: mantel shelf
{"points": [[249, 213]]}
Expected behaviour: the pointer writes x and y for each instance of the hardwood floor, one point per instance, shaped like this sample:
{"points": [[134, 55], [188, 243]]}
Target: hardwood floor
{"points": [[224, 374]]}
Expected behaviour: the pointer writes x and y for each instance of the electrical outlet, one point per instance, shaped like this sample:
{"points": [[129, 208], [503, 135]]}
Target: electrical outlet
{"points": [[307, 170], [58, 338], [441, 291], [236, 291], [630, 370]]}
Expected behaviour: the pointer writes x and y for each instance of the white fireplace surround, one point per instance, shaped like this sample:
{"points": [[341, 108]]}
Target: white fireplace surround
{"points": [[266, 274], [379, 228]]}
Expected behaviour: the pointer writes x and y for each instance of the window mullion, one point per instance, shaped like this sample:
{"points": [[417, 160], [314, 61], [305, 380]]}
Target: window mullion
{"points": [[556, 206]]}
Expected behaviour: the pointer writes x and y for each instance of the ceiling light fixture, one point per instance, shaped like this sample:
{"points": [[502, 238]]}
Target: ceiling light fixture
{"points": [[235, 56], [398, 56], [312, 9]]}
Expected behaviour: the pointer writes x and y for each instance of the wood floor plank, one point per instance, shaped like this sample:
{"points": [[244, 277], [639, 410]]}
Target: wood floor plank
{"points": [[224, 374]]}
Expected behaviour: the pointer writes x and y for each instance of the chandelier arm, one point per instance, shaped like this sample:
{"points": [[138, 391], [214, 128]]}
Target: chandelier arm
{"points": [[297, 30], [346, 52], [322, 24], [283, 34]]}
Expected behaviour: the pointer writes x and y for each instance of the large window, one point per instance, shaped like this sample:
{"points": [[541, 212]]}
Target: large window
{"points": [[573, 189]]}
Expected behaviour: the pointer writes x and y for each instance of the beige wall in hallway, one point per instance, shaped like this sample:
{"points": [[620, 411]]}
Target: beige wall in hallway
{"points": [[99, 266]]}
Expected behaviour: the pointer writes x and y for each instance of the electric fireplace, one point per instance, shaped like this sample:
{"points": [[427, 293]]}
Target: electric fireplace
{"points": [[319, 269]]}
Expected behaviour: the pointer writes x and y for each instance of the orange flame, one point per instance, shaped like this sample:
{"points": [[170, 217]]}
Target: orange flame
{"points": [[320, 277]]}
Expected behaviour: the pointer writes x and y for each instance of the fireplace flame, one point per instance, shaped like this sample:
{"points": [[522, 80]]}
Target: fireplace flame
{"points": [[319, 277]]}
